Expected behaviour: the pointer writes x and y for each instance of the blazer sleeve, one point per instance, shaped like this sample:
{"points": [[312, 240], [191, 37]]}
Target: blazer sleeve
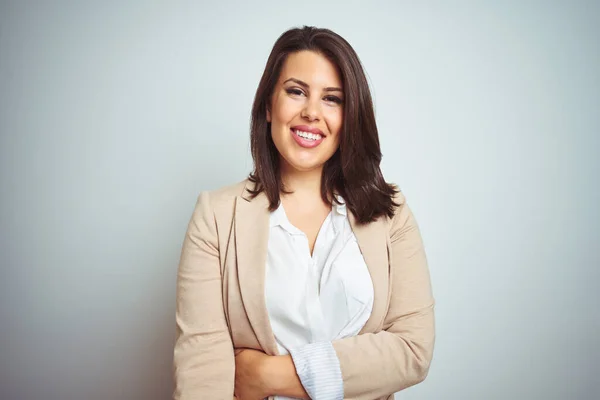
{"points": [[377, 365], [204, 365]]}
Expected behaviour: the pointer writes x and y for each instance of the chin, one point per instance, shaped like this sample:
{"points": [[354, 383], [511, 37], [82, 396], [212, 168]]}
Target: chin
{"points": [[304, 165]]}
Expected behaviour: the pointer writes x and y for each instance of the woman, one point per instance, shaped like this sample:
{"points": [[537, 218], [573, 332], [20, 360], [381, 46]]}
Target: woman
{"points": [[308, 279]]}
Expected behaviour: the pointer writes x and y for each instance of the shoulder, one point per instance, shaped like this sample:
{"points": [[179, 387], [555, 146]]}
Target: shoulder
{"points": [[225, 194], [399, 209], [220, 201], [398, 197], [403, 219], [399, 201], [217, 204]]}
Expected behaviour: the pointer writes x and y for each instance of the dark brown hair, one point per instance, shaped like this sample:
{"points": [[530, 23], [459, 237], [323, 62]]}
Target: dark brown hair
{"points": [[353, 171]]}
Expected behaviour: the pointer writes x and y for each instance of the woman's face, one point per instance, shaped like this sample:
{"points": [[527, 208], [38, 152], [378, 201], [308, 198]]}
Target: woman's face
{"points": [[306, 111]]}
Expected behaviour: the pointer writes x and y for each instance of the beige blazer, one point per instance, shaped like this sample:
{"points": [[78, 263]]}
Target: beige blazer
{"points": [[221, 301]]}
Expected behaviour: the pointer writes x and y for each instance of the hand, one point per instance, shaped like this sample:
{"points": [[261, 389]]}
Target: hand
{"points": [[250, 384]]}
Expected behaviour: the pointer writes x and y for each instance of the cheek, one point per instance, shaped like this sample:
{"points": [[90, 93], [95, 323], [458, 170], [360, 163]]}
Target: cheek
{"points": [[285, 108], [334, 122]]}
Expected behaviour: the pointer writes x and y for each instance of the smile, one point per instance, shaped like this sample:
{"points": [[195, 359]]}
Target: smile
{"points": [[307, 139]]}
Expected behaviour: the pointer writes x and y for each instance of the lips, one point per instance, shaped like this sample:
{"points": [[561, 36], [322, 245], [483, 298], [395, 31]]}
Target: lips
{"points": [[309, 140], [308, 129]]}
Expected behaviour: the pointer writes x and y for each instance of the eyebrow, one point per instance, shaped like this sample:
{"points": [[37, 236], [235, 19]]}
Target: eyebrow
{"points": [[305, 85]]}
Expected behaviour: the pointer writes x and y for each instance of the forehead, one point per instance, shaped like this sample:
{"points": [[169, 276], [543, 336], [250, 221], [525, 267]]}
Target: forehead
{"points": [[311, 67]]}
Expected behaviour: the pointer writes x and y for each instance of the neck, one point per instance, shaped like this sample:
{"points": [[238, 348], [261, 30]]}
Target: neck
{"points": [[302, 182]]}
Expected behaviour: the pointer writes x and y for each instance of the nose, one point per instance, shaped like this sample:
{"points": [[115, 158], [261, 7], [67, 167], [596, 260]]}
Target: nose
{"points": [[312, 111]]}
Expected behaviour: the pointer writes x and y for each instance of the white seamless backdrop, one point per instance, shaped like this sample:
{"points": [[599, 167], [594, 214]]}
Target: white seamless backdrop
{"points": [[114, 115]]}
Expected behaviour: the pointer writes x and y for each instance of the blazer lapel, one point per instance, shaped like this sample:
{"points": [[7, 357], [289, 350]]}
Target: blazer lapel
{"points": [[372, 240], [251, 241]]}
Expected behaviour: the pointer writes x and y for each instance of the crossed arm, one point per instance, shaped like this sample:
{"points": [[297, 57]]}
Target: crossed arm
{"points": [[258, 375], [391, 360]]}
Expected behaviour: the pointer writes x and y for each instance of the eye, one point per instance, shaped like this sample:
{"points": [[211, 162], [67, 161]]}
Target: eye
{"points": [[294, 91], [334, 99]]}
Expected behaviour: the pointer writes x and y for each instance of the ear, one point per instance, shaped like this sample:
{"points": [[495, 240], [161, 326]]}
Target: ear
{"points": [[268, 115]]}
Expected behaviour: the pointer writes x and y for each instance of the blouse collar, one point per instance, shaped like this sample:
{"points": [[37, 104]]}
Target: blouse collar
{"points": [[338, 215]]}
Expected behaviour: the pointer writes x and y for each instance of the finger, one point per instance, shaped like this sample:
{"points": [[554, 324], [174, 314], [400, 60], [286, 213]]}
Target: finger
{"points": [[238, 351]]}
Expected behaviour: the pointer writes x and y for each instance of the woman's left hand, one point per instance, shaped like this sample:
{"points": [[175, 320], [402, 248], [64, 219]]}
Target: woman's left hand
{"points": [[250, 382]]}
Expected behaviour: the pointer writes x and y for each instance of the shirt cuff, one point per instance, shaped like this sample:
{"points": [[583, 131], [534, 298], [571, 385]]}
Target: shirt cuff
{"points": [[319, 370]]}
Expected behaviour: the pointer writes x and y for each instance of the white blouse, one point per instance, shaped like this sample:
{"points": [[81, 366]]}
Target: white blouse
{"points": [[313, 300]]}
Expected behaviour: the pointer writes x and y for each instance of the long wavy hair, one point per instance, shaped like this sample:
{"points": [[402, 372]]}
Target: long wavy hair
{"points": [[354, 170]]}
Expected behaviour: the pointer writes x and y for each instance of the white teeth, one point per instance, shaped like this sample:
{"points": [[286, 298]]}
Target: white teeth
{"points": [[308, 135]]}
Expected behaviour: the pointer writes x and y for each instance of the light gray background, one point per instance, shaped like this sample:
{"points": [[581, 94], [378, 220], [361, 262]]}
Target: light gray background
{"points": [[115, 115]]}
